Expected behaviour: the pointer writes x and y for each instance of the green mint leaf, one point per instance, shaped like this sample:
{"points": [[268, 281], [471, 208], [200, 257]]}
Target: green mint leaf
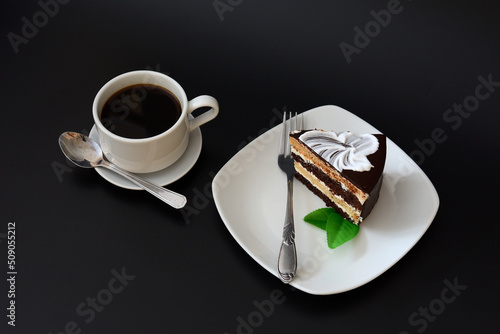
{"points": [[339, 230], [319, 217]]}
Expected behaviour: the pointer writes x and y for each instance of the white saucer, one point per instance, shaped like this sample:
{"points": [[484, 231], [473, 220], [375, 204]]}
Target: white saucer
{"points": [[161, 177]]}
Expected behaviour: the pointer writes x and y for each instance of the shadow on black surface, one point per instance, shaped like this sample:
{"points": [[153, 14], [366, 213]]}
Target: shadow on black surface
{"points": [[89, 180]]}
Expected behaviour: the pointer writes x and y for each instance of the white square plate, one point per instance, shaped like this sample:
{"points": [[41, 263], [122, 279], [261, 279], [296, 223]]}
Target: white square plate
{"points": [[250, 195]]}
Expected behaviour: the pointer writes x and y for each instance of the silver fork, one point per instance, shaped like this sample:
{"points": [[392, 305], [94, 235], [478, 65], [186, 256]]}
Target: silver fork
{"points": [[287, 258]]}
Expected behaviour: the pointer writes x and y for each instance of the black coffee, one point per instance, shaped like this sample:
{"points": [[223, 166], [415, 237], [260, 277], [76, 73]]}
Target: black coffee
{"points": [[140, 111]]}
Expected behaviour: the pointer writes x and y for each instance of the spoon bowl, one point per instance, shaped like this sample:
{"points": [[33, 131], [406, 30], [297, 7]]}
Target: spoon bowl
{"points": [[80, 149]]}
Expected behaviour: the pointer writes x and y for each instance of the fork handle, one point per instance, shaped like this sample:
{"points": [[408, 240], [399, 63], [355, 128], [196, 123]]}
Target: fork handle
{"points": [[287, 258]]}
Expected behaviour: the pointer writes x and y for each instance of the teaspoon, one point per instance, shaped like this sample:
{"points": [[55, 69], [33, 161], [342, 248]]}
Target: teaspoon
{"points": [[85, 152]]}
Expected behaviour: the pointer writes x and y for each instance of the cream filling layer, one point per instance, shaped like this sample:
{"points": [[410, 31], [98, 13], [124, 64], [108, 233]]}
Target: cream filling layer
{"points": [[333, 174], [352, 212]]}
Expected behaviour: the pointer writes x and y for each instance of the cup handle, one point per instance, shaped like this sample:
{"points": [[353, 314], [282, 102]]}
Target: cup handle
{"points": [[202, 101]]}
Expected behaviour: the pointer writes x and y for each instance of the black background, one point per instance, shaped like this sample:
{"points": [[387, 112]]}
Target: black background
{"points": [[73, 228]]}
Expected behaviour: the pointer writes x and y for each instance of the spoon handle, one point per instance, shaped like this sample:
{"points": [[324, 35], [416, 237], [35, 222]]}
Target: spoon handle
{"points": [[168, 196]]}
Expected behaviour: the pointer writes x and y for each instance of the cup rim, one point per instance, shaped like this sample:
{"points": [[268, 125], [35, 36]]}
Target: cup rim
{"points": [[182, 100]]}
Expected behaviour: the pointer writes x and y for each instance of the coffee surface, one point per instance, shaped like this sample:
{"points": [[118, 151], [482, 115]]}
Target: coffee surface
{"points": [[140, 111]]}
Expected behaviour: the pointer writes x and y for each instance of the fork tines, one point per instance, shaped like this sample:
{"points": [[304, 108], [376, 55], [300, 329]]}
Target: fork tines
{"points": [[293, 123]]}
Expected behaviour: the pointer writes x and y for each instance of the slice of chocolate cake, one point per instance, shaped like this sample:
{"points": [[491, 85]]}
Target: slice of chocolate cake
{"points": [[344, 169]]}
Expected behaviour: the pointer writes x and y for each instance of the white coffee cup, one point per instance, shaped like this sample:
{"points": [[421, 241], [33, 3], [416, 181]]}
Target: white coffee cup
{"points": [[146, 155]]}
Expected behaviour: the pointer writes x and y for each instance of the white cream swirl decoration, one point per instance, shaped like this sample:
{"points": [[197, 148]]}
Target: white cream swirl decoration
{"points": [[344, 150]]}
